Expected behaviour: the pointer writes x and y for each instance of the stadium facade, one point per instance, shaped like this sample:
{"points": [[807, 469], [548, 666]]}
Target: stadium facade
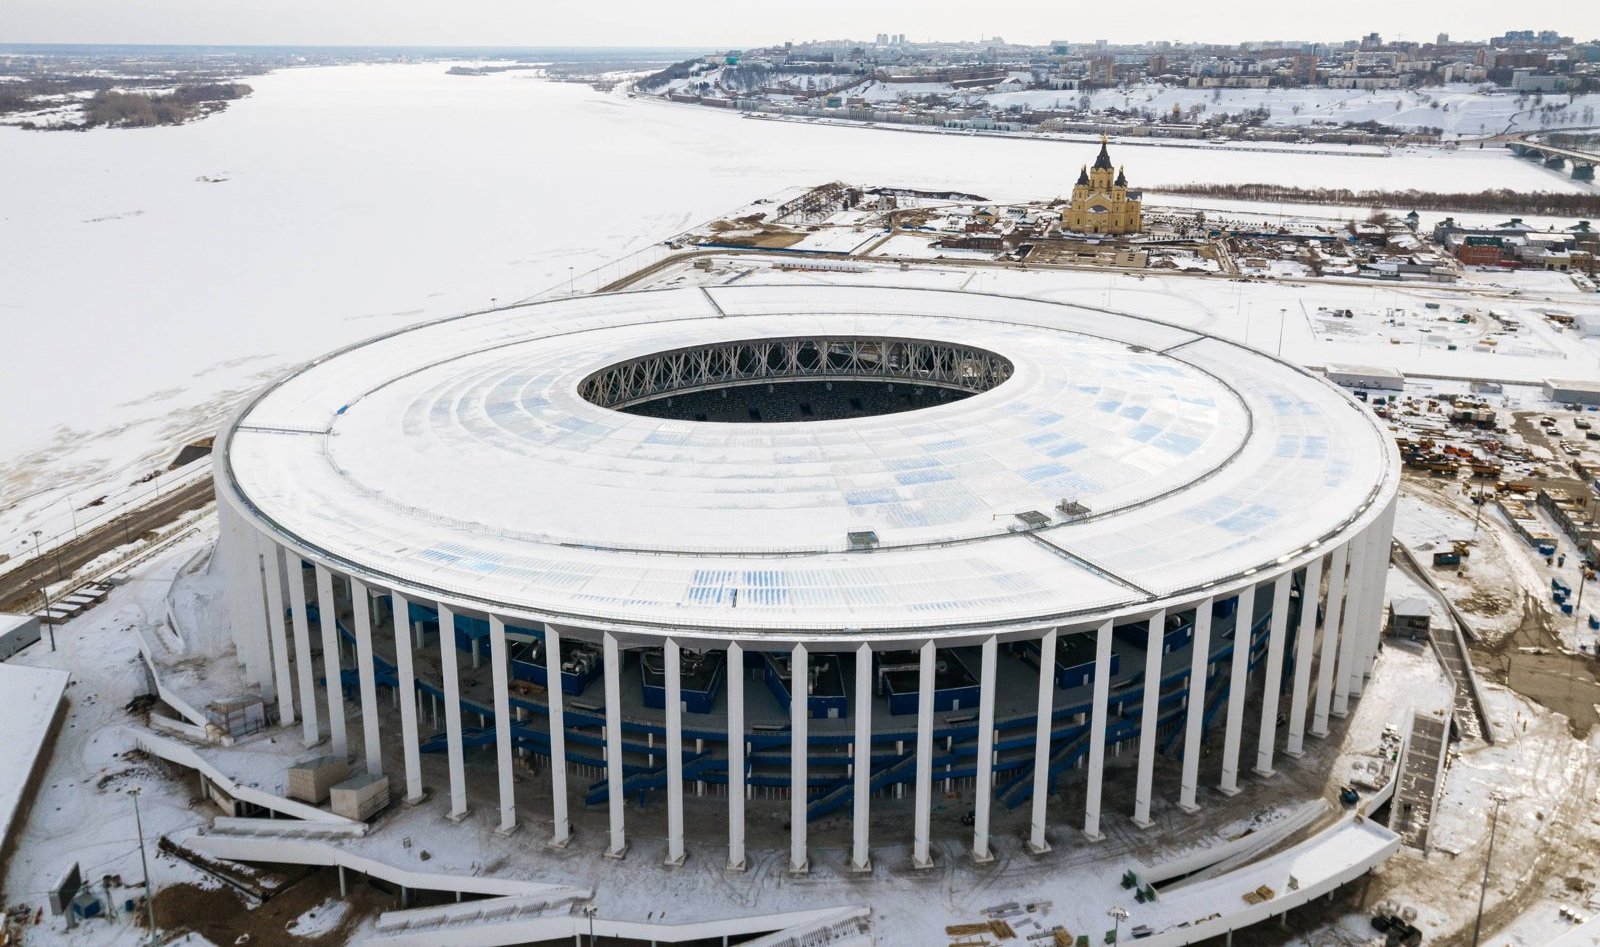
{"points": [[935, 539]]}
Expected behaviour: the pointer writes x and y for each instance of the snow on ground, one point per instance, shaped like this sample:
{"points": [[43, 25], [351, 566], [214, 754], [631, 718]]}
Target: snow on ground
{"points": [[838, 239], [1429, 521], [335, 223], [1288, 318], [355, 200], [83, 813], [1458, 108], [320, 919], [1546, 833]]}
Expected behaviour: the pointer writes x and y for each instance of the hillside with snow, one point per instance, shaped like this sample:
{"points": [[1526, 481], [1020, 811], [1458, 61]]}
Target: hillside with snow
{"points": [[1457, 109]]}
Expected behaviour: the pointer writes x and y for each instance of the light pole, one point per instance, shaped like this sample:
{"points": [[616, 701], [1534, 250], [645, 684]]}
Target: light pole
{"points": [[1283, 316], [1494, 822], [44, 588], [1577, 606], [149, 883], [1478, 517], [571, 283], [1118, 914], [589, 911]]}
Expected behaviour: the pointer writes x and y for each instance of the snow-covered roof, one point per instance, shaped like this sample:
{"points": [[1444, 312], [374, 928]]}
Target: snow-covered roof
{"points": [[1410, 607], [29, 699], [459, 460]]}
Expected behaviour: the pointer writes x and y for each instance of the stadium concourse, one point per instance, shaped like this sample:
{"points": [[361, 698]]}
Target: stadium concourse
{"points": [[737, 540]]}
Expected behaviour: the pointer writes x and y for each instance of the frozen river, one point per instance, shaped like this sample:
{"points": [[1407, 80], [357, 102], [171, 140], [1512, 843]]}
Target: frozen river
{"points": [[145, 275]]}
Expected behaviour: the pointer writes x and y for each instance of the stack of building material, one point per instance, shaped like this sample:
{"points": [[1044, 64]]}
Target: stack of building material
{"points": [[361, 796], [311, 780]]}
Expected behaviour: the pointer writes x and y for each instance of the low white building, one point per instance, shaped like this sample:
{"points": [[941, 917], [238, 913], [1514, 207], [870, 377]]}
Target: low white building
{"points": [[1572, 390], [1366, 376]]}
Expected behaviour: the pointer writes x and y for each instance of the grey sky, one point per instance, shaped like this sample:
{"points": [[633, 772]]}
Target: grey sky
{"points": [[751, 22]]}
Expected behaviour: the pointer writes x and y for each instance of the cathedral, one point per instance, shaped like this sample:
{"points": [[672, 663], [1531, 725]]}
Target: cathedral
{"points": [[1101, 204]]}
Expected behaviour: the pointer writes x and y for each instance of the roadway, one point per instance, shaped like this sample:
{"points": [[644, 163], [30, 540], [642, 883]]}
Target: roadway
{"points": [[20, 584]]}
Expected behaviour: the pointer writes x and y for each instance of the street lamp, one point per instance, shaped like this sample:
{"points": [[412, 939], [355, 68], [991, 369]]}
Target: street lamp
{"points": [[1577, 606], [1118, 914], [149, 882], [589, 911], [44, 587], [1483, 891]]}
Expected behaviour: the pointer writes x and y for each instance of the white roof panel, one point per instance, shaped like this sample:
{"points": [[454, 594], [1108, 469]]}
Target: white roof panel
{"points": [[460, 457]]}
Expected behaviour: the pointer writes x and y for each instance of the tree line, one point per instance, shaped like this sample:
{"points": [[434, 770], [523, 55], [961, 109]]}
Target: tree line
{"points": [[140, 109]]}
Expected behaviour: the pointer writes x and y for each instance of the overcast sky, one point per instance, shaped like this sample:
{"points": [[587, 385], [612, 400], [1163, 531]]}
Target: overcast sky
{"points": [[731, 23]]}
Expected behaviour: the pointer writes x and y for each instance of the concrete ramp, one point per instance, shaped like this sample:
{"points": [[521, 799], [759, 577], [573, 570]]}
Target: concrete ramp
{"points": [[507, 921], [1419, 778]]}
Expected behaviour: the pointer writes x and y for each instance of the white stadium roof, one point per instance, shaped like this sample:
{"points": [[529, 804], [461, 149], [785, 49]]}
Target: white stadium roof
{"points": [[457, 460]]}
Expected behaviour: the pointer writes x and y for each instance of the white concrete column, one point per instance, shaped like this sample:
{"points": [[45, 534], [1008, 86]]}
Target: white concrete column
{"points": [[799, 747], [404, 670], [1372, 604], [1195, 713], [1097, 730], [860, 855], [304, 670], [561, 828], [614, 790], [500, 676], [367, 672], [1382, 545], [920, 856], [328, 615], [1044, 710], [238, 551], [452, 713], [1355, 670], [1272, 686], [1238, 681], [736, 781], [1348, 625], [283, 684], [1328, 658], [1150, 711], [983, 786], [672, 664], [1304, 650]]}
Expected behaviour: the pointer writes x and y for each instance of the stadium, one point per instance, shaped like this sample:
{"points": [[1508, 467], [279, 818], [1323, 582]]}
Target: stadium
{"points": [[690, 549]]}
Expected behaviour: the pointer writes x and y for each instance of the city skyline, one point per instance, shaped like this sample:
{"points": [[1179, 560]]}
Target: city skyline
{"points": [[503, 23]]}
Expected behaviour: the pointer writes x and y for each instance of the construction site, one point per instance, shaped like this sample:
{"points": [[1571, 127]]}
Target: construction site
{"points": [[1474, 704]]}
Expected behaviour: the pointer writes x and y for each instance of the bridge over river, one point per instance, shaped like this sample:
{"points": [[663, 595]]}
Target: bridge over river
{"points": [[1583, 162]]}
